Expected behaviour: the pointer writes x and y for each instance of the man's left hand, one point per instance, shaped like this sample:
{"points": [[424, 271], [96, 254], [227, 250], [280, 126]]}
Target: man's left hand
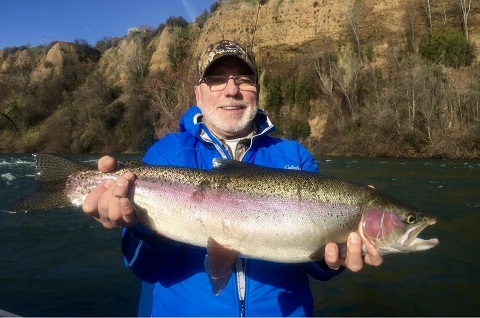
{"points": [[354, 259]]}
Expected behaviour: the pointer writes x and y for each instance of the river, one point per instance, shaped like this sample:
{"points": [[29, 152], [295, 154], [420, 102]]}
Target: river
{"points": [[63, 263]]}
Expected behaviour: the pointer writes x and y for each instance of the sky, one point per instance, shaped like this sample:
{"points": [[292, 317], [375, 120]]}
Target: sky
{"points": [[39, 22]]}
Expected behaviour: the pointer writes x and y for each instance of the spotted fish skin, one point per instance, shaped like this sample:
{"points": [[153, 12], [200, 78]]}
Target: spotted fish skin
{"points": [[264, 213]]}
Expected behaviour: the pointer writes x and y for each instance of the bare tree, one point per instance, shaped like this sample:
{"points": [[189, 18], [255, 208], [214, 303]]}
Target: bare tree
{"points": [[324, 76], [354, 29], [427, 5], [354, 17], [167, 102], [135, 60], [339, 74], [324, 68], [466, 6], [409, 32]]}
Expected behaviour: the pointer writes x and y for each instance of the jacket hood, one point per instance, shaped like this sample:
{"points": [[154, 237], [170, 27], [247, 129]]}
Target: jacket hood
{"points": [[191, 122]]}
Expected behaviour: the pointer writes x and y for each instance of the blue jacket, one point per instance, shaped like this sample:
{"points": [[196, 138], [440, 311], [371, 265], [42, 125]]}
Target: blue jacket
{"points": [[181, 285]]}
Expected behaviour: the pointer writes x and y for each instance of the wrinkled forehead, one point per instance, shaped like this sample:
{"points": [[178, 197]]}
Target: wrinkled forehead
{"points": [[229, 65]]}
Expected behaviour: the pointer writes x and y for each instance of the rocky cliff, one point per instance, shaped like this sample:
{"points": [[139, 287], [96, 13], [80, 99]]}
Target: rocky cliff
{"points": [[140, 75], [280, 30]]}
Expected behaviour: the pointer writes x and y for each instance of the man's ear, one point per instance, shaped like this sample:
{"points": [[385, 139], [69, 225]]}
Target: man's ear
{"points": [[196, 89]]}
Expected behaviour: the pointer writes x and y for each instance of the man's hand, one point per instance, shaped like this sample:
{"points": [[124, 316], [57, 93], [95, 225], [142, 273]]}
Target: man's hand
{"points": [[109, 202], [354, 259]]}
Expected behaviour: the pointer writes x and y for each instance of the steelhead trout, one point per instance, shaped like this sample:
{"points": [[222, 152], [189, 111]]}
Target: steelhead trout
{"points": [[243, 209]]}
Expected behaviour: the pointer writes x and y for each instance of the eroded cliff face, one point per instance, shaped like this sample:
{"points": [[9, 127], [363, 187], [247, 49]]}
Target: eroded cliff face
{"points": [[15, 61], [58, 58], [281, 29], [159, 61], [117, 62]]}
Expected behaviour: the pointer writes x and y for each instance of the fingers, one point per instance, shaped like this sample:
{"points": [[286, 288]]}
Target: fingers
{"points": [[332, 258], [109, 203], [373, 257], [354, 259], [90, 205], [120, 210], [107, 164]]}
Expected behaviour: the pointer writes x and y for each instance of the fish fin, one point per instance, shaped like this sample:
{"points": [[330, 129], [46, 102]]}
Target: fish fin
{"points": [[130, 164], [222, 164], [218, 265], [51, 172], [42, 200], [51, 168]]}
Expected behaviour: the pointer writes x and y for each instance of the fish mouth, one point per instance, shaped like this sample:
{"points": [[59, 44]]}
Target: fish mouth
{"points": [[410, 240]]}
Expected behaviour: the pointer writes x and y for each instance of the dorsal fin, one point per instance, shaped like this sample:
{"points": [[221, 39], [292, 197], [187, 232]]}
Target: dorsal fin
{"points": [[221, 164], [130, 164], [55, 168]]}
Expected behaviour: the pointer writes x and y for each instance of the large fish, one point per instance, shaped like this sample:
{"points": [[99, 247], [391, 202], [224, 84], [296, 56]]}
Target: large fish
{"points": [[243, 209]]}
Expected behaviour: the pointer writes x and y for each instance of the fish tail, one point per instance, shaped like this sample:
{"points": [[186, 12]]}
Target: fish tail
{"points": [[52, 173]]}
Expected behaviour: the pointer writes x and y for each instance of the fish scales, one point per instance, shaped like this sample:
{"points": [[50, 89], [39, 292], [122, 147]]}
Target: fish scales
{"points": [[272, 214], [192, 207], [255, 225]]}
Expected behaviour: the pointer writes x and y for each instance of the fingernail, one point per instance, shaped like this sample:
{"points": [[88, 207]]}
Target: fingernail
{"points": [[330, 250], [121, 181], [353, 238]]}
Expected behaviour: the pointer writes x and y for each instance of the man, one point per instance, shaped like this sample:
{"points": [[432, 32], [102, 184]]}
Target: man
{"points": [[226, 123]]}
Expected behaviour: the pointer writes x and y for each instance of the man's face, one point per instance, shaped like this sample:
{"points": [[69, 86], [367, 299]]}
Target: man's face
{"points": [[228, 113]]}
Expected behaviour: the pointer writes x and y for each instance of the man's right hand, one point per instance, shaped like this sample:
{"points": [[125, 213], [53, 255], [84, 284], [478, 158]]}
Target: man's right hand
{"points": [[109, 202]]}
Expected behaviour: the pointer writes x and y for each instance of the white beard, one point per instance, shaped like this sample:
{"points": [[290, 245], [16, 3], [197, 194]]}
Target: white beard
{"points": [[231, 124]]}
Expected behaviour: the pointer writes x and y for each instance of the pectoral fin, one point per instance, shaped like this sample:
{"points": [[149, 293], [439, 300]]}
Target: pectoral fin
{"points": [[218, 265]]}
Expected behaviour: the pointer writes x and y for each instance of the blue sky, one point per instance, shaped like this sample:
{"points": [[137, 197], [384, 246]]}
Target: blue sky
{"points": [[37, 22]]}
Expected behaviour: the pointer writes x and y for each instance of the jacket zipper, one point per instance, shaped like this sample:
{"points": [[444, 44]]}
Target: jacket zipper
{"points": [[265, 131], [241, 281], [241, 269]]}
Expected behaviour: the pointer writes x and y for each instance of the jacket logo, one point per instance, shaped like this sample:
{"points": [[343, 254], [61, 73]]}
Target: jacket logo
{"points": [[292, 167]]}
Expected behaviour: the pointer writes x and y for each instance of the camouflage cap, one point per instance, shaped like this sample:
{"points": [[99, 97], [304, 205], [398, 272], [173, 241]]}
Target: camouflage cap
{"points": [[221, 49]]}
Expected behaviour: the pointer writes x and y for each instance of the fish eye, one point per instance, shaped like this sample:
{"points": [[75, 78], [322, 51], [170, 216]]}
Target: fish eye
{"points": [[410, 218]]}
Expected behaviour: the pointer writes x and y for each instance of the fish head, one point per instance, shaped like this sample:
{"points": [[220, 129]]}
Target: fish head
{"points": [[395, 229]]}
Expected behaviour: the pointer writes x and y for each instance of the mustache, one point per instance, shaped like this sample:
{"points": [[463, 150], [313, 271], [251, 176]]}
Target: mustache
{"points": [[231, 102]]}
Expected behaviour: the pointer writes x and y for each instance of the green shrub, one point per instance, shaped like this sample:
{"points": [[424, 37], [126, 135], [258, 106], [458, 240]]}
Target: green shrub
{"points": [[202, 18], [11, 50], [298, 129], [215, 5], [448, 47], [48, 64], [369, 53], [302, 95], [273, 101], [85, 51], [289, 91], [177, 22]]}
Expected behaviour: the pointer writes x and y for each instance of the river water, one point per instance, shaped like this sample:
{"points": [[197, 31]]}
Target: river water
{"points": [[63, 263]]}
